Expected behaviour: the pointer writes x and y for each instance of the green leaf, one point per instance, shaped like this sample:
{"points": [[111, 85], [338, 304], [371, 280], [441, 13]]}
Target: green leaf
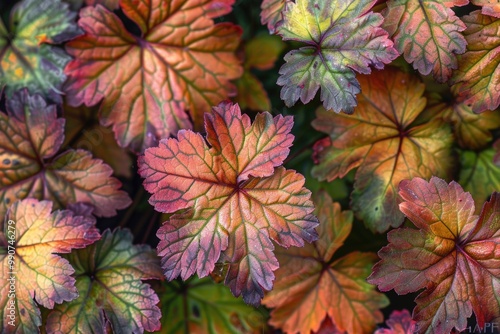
{"points": [[261, 53], [342, 36], [27, 58], [202, 306], [108, 278], [478, 173]]}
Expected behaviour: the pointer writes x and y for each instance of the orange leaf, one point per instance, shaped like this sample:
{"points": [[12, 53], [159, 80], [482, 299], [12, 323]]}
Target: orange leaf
{"points": [[489, 7], [382, 141], [311, 286], [180, 61], [230, 200], [29, 237], [472, 131]]}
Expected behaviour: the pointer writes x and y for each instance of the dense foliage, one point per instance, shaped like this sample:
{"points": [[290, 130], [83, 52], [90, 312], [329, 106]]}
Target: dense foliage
{"points": [[166, 167]]}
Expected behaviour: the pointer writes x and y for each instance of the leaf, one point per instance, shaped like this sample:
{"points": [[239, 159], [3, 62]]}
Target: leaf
{"points": [[30, 137], [453, 255], [400, 322], [427, 33], [382, 141], [478, 174], [341, 36], [210, 309], [108, 278], [230, 200], [472, 131], [489, 7], [311, 286], [27, 58], [84, 132], [478, 70], [261, 53], [271, 13], [180, 61], [29, 238]]}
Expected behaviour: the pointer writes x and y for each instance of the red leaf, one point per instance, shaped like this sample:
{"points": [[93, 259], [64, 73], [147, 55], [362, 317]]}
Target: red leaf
{"points": [[30, 137], [478, 71], [271, 13], [230, 198], [400, 322], [181, 61], [427, 33], [454, 256]]}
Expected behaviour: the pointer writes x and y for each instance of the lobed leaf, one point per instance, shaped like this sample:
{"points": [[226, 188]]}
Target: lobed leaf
{"points": [[270, 13], [30, 137], [211, 309], [427, 33], [30, 235], [383, 142], [341, 37], [108, 278], [27, 58], [312, 287], [230, 200], [453, 255], [478, 70], [478, 173], [181, 60]]}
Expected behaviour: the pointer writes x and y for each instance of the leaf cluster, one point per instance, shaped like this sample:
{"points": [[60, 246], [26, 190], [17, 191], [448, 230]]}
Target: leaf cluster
{"points": [[157, 173]]}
